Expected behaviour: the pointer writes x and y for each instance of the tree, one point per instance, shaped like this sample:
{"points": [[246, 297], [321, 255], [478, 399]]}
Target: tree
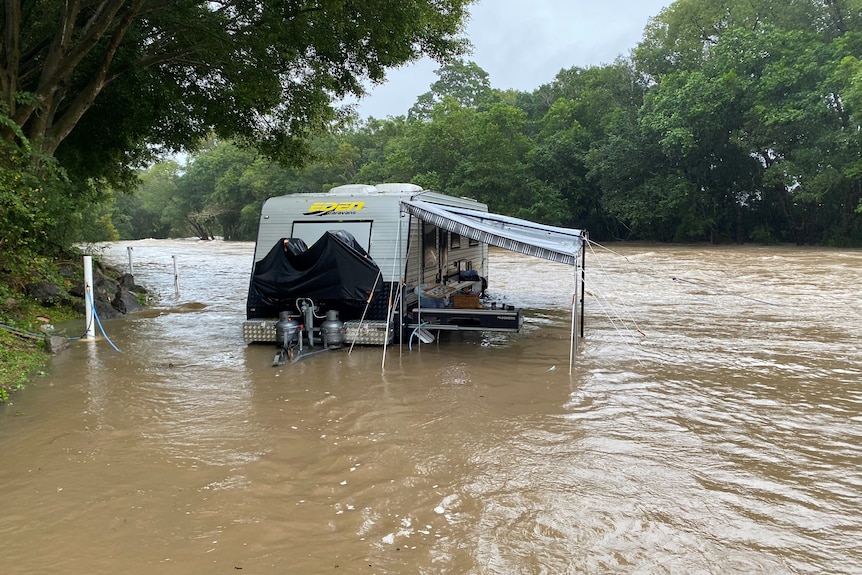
{"points": [[850, 70], [742, 80], [588, 104], [384, 147], [464, 82], [680, 37], [25, 226], [91, 91], [437, 147], [736, 122], [211, 192], [639, 187], [492, 169], [144, 73]]}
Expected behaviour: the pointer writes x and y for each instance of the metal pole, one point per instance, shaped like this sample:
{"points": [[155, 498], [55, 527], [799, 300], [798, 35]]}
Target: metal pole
{"points": [[575, 310], [176, 277], [391, 309], [572, 336], [580, 286], [584, 239], [89, 315], [573, 342]]}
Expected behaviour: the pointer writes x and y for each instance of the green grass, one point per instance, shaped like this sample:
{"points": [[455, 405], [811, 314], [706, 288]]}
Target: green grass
{"points": [[22, 351], [22, 358]]}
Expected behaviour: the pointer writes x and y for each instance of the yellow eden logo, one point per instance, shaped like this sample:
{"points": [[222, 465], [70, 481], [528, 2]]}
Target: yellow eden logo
{"points": [[324, 208]]}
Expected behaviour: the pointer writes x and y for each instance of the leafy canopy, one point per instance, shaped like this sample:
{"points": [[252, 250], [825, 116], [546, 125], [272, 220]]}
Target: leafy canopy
{"points": [[115, 78]]}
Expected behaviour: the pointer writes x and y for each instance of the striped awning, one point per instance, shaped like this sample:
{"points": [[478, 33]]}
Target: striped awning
{"points": [[551, 243]]}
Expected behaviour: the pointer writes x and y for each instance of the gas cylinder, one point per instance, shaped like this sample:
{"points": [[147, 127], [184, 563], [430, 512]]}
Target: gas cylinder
{"points": [[286, 329], [332, 330]]}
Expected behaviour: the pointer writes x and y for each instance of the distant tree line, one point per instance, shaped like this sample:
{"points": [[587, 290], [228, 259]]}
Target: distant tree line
{"points": [[731, 121]]}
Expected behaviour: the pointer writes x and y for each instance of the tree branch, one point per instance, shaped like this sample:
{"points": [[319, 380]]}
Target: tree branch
{"points": [[12, 51], [64, 55], [85, 98], [52, 60]]}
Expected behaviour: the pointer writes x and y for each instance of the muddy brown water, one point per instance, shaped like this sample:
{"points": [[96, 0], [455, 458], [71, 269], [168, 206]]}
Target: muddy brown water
{"points": [[712, 424]]}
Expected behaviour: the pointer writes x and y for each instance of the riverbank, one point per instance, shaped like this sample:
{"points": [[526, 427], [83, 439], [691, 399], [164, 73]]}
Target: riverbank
{"points": [[22, 357], [29, 312]]}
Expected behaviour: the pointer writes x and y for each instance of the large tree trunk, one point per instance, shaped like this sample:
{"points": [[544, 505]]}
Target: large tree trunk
{"points": [[200, 227], [48, 112]]}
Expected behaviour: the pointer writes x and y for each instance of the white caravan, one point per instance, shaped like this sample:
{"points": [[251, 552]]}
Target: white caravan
{"points": [[364, 264]]}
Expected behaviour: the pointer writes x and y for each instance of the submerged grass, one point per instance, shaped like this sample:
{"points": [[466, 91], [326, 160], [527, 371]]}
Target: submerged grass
{"points": [[20, 360], [23, 353]]}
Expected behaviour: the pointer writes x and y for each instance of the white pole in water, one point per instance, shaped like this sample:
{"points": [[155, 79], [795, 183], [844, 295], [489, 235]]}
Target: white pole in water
{"points": [[578, 295], [129, 251], [89, 315], [176, 277], [390, 310], [572, 337], [573, 344]]}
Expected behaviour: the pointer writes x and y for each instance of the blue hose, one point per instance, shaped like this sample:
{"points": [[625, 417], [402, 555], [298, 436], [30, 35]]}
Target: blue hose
{"points": [[98, 321], [42, 335], [24, 331]]}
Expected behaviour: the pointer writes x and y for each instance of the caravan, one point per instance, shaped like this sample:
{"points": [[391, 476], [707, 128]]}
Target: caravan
{"points": [[366, 264]]}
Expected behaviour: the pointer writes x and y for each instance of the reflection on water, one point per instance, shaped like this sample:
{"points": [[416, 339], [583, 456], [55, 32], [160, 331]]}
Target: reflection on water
{"points": [[711, 424]]}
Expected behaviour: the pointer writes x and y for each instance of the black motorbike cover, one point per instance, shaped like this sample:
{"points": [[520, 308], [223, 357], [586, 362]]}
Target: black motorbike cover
{"points": [[335, 272]]}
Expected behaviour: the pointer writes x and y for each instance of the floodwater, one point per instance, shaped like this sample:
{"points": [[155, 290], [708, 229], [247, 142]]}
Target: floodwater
{"points": [[711, 423]]}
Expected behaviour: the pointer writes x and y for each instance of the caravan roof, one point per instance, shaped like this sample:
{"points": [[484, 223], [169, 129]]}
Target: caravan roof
{"points": [[365, 189]]}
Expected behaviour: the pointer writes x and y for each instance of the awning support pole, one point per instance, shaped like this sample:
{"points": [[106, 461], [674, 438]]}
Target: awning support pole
{"points": [[573, 337], [573, 342], [584, 240], [580, 278], [391, 309]]}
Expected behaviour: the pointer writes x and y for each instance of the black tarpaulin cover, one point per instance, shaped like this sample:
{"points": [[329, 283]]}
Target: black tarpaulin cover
{"points": [[335, 269]]}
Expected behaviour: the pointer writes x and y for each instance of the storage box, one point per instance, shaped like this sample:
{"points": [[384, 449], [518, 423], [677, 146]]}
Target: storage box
{"points": [[466, 301], [259, 330], [368, 332]]}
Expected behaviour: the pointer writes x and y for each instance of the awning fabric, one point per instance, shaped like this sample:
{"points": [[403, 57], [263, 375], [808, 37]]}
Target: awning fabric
{"points": [[551, 243]]}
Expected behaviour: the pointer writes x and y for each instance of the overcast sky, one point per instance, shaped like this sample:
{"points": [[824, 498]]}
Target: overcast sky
{"points": [[522, 44]]}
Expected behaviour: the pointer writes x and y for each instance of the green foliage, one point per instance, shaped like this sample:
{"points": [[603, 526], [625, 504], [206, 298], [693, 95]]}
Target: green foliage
{"points": [[464, 82], [22, 347], [588, 106], [734, 121], [19, 359], [166, 74], [30, 213], [92, 93]]}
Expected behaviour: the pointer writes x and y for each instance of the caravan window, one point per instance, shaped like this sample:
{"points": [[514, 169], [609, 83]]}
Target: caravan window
{"points": [[310, 232], [455, 241], [429, 245], [443, 249]]}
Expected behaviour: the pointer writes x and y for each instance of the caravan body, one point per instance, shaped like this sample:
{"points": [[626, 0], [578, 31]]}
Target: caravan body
{"points": [[397, 246]]}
